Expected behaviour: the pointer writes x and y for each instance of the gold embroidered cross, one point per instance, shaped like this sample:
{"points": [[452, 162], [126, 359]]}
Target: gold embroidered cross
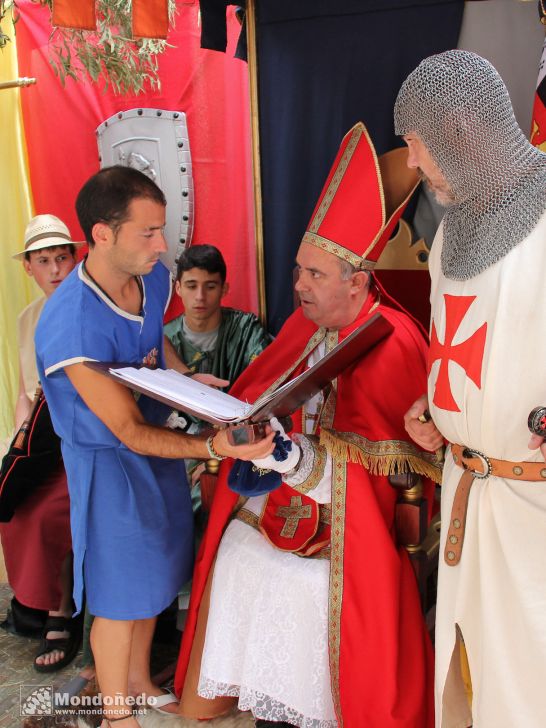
{"points": [[293, 514]]}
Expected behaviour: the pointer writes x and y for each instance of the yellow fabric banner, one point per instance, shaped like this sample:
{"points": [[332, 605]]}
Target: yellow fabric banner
{"points": [[16, 288]]}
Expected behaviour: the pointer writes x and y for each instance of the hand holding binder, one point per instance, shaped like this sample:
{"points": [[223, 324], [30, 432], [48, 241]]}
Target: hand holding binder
{"points": [[221, 409]]}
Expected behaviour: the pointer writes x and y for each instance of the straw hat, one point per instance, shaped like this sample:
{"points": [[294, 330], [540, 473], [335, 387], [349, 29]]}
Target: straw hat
{"points": [[45, 231]]}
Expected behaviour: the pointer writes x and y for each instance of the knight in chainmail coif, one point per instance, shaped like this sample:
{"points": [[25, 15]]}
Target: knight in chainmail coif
{"points": [[459, 107], [486, 372]]}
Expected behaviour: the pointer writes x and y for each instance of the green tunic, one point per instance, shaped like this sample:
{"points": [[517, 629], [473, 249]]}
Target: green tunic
{"points": [[241, 338]]}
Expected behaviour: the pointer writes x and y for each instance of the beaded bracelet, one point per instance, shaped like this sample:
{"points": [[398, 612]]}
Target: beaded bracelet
{"points": [[212, 452]]}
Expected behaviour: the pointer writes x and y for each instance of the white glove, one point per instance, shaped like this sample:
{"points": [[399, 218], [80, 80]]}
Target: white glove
{"points": [[291, 451], [175, 421]]}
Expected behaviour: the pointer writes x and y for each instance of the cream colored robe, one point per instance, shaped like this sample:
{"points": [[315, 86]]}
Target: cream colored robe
{"points": [[497, 593], [26, 326]]}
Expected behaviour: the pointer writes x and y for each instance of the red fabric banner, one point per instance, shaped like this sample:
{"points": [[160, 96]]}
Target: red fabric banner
{"points": [[210, 87], [150, 18], [74, 14]]}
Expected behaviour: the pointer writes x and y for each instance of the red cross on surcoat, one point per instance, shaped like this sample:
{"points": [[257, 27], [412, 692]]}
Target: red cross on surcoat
{"points": [[468, 354]]}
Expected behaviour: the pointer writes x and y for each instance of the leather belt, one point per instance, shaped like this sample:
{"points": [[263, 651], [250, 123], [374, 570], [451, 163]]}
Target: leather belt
{"points": [[477, 465]]}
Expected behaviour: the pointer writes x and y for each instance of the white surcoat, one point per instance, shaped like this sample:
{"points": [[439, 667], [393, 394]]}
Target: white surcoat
{"points": [[488, 371]]}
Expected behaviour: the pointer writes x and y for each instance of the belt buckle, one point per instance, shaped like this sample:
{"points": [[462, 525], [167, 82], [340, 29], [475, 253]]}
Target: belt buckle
{"points": [[488, 468]]}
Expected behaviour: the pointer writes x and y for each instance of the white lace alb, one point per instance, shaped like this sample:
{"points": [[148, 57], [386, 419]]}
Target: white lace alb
{"points": [[267, 632]]}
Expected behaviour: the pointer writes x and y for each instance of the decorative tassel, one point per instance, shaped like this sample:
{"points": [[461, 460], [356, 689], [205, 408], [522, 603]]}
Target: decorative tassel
{"points": [[386, 457]]}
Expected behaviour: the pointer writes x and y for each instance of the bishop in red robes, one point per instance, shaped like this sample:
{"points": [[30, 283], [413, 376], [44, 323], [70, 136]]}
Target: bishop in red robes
{"points": [[305, 609]]}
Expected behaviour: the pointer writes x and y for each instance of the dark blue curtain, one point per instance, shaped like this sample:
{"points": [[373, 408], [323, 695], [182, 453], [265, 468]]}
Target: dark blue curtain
{"points": [[323, 65]]}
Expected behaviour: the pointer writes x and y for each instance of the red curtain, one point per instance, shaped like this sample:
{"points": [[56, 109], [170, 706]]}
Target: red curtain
{"points": [[210, 87]]}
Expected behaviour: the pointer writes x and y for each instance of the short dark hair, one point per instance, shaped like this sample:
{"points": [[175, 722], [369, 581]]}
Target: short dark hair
{"points": [[106, 197], [71, 249], [206, 257]]}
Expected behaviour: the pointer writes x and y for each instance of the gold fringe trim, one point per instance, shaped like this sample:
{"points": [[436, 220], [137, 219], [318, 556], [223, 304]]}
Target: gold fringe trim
{"points": [[386, 457]]}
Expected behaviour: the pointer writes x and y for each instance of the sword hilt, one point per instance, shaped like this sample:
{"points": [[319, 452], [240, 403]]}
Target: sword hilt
{"points": [[537, 421]]}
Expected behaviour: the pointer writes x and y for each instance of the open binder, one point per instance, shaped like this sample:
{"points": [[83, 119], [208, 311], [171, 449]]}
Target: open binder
{"points": [[221, 409]]}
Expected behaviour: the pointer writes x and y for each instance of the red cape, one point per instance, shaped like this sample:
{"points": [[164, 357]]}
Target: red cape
{"points": [[380, 653]]}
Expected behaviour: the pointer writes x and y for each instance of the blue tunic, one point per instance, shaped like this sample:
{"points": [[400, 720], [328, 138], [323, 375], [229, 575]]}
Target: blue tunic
{"points": [[131, 515]]}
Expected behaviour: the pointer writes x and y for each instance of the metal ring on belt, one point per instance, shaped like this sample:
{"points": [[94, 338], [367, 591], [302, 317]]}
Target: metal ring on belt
{"points": [[468, 454], [478, 465]]}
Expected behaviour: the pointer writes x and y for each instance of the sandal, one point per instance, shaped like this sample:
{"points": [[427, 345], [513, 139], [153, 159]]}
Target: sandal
{"points": [[157, 702], [69, 645]]}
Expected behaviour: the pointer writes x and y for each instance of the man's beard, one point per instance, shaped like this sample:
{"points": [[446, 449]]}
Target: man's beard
{"points": [[443, 196]]}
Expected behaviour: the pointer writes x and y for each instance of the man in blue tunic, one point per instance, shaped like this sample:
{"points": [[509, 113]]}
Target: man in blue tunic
{"points": [[131, 513]]}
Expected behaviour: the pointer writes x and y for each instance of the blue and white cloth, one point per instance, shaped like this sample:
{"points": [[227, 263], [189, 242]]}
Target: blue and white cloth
{"points": [[131, 515]]}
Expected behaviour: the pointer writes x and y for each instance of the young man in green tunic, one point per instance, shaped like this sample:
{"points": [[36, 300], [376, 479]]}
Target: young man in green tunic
{"points": [[209, 337]]}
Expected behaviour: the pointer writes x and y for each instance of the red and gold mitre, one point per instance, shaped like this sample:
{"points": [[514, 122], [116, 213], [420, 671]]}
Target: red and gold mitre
{"points": [[361, 201]]}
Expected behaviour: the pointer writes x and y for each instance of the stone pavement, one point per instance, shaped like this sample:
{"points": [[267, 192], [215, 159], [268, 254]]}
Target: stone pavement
{"points": [[18, 677], [16, 670]]}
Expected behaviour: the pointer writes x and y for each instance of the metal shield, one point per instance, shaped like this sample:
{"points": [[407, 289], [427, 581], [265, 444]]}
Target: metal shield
{"points": [[156, 142]]}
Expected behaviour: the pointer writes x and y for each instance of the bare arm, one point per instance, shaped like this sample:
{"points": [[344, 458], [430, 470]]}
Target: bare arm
{"points": [[115, 406], [173, 361], [23, 403]]}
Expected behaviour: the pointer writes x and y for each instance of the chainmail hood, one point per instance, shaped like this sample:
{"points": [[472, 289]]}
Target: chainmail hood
{"points": [[458, 105]]}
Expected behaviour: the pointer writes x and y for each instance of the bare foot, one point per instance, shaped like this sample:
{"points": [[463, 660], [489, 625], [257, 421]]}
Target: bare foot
{"points": [[88, 672]]}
